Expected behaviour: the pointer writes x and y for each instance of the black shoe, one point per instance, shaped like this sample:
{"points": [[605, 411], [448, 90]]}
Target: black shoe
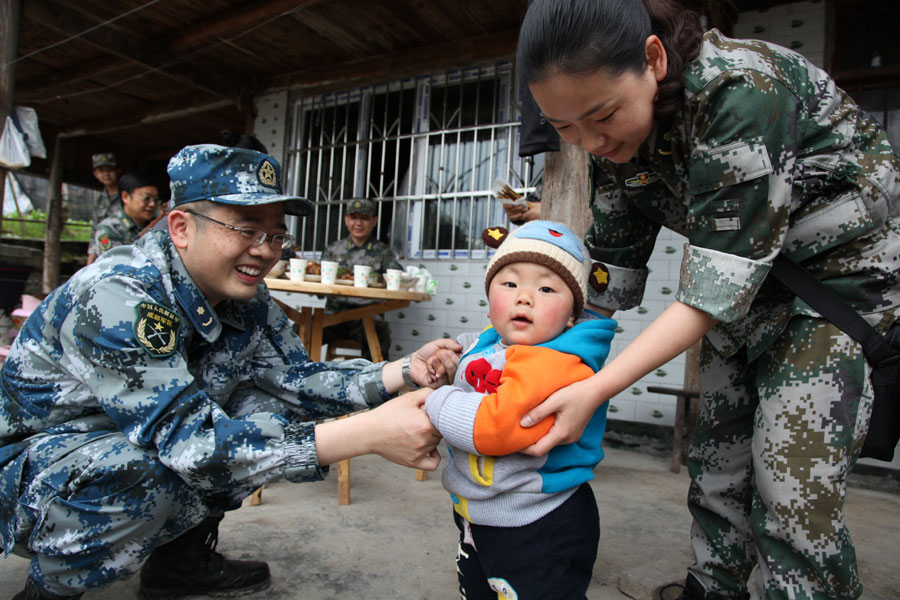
{"points": [[33, 591], [190, 565], [692, 590]]}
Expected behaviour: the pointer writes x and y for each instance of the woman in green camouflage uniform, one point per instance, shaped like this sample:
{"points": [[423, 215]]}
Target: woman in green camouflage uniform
{"points": [[748, 150]]}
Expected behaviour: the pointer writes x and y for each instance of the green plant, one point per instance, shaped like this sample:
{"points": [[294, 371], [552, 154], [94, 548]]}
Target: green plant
{"points": [[34, 224]]}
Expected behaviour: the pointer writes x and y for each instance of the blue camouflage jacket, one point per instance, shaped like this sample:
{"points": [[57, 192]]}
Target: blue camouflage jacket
{"points": [[226, 397]]}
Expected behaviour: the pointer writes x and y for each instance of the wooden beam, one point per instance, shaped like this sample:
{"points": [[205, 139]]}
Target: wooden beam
{"points": [[127, 47], [426, 59], [10, 16], [193, 37], [239, 20], [53, 231], [70, 74], [157, 114]]}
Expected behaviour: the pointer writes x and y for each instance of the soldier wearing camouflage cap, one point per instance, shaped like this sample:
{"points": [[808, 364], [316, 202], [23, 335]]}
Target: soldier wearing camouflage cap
{"points": [[360, 247], [106, 170], [748, 150], [161, 385]]}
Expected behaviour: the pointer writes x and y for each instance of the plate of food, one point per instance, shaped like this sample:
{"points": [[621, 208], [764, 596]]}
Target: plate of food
{"points": [[313, 278], [344, 281]]}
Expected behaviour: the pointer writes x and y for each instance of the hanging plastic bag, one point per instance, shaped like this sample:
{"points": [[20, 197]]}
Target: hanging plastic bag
{"points": [[28, 123], [13, 149]]}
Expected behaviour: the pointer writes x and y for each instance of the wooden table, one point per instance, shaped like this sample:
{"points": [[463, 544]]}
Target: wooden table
{"points": [[312, 320]]}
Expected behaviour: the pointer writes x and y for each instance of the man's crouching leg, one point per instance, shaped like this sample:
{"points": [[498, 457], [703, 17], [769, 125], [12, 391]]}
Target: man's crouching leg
{"points": [[189, 564], [92, 509]]}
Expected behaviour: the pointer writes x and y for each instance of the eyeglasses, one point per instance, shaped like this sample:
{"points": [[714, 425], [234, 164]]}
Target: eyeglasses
{"points": [[146, 199], [251, 234]]}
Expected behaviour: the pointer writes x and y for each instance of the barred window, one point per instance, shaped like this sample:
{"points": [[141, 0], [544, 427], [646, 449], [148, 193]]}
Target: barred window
{"points": [[426, 149]]}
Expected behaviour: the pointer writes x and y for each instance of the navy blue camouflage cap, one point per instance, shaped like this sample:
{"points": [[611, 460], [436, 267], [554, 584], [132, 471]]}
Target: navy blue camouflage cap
{"points": [[230, 176]]}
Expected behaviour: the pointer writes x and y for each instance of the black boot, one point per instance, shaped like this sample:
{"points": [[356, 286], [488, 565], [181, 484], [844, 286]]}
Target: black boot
{"points": [[189, 564], [692, 590], [33, 591]]}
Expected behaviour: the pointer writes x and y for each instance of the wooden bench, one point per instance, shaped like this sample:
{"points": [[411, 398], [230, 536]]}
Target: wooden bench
{"points": [[685, 420]]}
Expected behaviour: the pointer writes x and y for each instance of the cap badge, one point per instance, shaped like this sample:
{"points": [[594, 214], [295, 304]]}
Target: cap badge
{"points": [[267, 175]]}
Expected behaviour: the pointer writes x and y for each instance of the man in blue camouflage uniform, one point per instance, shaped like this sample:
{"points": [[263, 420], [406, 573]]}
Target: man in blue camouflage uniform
{"points": [[360, 247], [160, 386], [762, 154], [106, 171]]}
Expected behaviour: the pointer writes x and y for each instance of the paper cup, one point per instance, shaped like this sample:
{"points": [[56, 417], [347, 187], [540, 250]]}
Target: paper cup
{"points": [[329, 271], [392, 277], [298, 269], [361, 275]]}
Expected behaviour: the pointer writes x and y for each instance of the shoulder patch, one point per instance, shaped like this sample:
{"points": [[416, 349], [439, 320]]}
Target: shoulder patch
{"points": [[156, 329], [599, 278]]}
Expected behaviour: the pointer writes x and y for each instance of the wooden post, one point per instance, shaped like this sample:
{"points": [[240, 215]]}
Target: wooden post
{"points": [[54, 220], [10, 15], [565, 195]]}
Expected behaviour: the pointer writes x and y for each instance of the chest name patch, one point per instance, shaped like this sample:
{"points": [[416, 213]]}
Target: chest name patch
{"points": [[641, 179], [156, 328]]}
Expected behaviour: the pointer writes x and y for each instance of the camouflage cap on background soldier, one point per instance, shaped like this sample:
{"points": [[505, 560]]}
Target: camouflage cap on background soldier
{"points": [[361, 205], [103, 159], [230, 176]]}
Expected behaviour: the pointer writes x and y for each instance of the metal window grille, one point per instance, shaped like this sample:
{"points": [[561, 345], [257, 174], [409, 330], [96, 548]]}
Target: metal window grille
{"points": [[426, 149]]}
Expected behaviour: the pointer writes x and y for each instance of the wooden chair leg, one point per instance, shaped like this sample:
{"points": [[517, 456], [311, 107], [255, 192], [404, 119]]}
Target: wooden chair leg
{"points": [[344, 482], [344, 478], [678, 435]]}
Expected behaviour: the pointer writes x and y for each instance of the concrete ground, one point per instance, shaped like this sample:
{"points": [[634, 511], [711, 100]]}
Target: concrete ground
{"points": [[397, 540]]}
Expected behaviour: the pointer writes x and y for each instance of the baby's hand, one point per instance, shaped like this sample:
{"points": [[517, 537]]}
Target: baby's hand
{"points": [[442, 367]]}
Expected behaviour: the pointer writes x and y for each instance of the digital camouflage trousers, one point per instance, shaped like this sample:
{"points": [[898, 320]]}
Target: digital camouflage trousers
{"points": [[775, 441]]}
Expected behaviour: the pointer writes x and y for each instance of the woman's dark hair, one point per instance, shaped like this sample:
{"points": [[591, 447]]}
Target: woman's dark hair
{"points": [[132, 181], [242, 140], [578, 37]]}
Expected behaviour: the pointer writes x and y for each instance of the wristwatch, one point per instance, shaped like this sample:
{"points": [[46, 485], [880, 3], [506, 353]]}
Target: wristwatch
{"points": [[404, 371]]}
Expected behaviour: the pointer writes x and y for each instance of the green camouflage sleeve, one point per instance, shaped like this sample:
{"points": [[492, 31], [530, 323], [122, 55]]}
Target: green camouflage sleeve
{"points": [[741, 175]]}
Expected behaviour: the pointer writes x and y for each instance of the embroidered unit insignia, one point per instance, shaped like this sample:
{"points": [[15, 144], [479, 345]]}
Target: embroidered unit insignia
{"points": [[156, 329]]}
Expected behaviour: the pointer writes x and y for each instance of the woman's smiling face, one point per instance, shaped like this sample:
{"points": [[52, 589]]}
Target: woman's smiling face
{"points": [[609, 116]]}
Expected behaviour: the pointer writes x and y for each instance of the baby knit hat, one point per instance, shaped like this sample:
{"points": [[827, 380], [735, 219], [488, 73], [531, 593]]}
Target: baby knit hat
{"points": [[545, 243]]}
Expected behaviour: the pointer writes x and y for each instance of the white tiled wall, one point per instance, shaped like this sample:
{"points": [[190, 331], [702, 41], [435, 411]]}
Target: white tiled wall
{"points": [[799, 26], [460, 305]]}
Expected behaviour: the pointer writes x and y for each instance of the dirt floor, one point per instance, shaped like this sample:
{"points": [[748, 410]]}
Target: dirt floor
{"points": [[397, 540]]}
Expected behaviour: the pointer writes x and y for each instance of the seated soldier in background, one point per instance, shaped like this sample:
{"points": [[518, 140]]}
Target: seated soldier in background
{"points": [[360, 248], [140, 202]]}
